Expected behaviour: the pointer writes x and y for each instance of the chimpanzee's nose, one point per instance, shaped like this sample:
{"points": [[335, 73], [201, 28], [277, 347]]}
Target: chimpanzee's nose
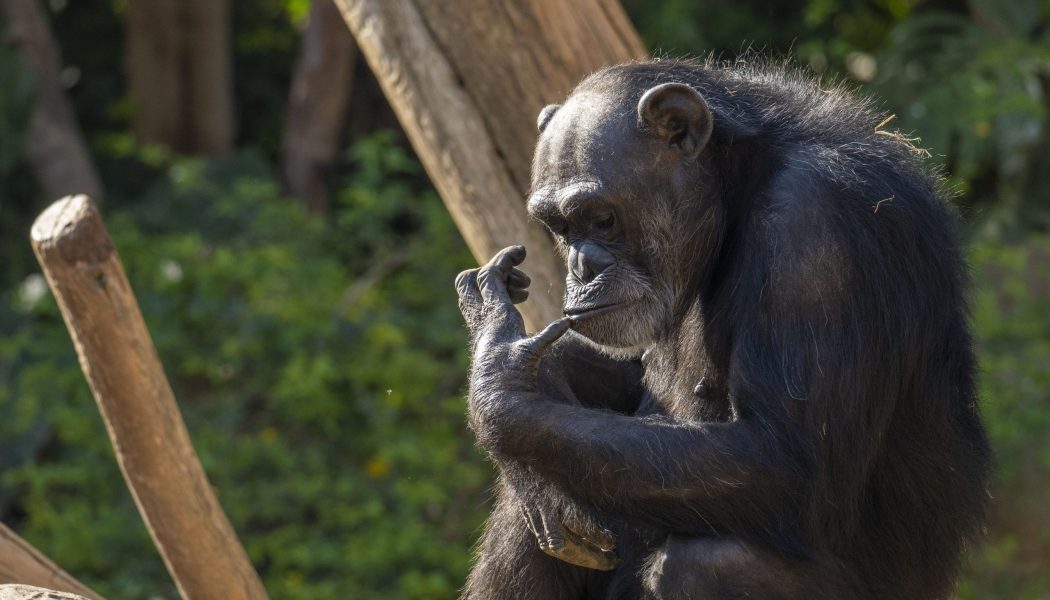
{"points": [[588, 260]]}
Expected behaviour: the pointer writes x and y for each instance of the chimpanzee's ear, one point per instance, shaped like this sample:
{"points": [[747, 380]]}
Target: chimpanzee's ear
{"points": [[546, 115], [677, 114]]}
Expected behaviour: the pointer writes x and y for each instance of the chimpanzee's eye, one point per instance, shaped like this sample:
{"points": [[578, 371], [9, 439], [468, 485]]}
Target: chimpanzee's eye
{"points": [[606, 222], [558, 226]]}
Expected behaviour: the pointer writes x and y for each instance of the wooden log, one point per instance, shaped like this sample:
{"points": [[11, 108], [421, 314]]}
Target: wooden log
{"points": [[467, 79], [21, 563], [153, 449], [31, 592]]}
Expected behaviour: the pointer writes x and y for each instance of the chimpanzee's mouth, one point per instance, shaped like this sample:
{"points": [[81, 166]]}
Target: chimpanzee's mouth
{"points": [[580, 311]]}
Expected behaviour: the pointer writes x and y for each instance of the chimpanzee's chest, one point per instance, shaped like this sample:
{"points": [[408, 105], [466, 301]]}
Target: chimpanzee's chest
{"points": [[691, 390]]}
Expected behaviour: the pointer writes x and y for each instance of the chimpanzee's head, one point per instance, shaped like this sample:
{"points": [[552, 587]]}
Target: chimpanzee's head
{"points": [[619, 178]]}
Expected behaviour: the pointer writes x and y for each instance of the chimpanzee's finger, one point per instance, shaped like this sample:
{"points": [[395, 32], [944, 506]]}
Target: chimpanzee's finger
{"points": [[517, 296], [508, 258], [518, 278], [552, 532], [550, 334], [493, 288], [467, 286], [578, 551], [535, 525], [492, 278]]}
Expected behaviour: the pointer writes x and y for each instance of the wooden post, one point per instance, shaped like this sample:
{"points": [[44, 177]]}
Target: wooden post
{"points": [[21, 563], [195, 539], [467, 79]]}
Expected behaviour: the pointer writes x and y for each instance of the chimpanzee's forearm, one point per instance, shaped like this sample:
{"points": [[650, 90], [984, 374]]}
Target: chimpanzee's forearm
{"points": [[688, 477]]}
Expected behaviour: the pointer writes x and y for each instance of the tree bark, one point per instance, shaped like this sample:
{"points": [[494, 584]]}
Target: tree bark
{"points": [[55, 145], [209, 75], [179, 74], [21, 563], [467, 79], [317, 104], [153, 67], [153, 448]]}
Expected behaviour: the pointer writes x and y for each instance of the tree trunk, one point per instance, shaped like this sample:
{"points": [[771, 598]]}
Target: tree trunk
{"points": [[317, 104], [22, 563], [149, 437], [179, 73], [55, 144], [209, 75], [153, 67], [467, 79]]}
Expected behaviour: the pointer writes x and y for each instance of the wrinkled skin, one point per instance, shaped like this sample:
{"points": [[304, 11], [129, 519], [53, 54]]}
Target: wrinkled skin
{"points": [[738, 403]]}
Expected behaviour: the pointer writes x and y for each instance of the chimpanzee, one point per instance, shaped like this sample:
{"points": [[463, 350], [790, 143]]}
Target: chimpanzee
{"points": [[763, 386]]}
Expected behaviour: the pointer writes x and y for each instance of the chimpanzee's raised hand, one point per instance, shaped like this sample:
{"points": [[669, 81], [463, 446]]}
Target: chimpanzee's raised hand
{"points": [[505, 363], [505, 358], [501, 269]]}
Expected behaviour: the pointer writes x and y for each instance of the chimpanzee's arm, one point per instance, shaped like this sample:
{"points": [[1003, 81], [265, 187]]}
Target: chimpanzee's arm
{"points": [[572, 372], [686, 476], [689, 477]]}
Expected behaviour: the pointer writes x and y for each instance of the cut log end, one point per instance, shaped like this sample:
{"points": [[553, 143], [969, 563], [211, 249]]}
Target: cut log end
{"points": [[28, 592], [74, 228]]}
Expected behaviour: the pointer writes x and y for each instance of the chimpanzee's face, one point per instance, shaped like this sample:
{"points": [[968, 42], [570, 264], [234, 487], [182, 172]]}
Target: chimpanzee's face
{"points": [[616, 180]]}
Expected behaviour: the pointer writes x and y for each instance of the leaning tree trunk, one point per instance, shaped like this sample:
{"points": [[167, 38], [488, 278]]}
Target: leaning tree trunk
{"points": [[54, 143], [317, 104], [467, 79], [179, 73]]}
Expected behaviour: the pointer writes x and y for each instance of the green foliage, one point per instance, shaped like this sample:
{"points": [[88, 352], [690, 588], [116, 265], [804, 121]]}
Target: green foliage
{"points": [[976, 89], [1011, 310], [265, 45], [325, 401], [16, 105]]}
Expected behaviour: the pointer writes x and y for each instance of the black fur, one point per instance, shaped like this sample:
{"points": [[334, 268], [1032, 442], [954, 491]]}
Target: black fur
{"points": [[784, 402]]}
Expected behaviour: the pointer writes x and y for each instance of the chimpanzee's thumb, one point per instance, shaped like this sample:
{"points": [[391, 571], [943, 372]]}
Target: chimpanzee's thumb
{"points": [[539, 343]]}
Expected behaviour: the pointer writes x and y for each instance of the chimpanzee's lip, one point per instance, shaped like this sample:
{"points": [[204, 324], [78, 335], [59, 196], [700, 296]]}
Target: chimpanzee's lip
{"points": [[589, 310]]}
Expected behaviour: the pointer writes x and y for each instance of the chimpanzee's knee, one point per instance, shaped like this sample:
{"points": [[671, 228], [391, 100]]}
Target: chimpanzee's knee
{"points": [[711, 568]]}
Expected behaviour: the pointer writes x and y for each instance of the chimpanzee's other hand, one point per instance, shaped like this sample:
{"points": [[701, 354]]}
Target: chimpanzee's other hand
{"points": [[573, 539]]}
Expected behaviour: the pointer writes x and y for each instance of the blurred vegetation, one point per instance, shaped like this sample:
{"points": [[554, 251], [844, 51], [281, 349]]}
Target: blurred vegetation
{"points": [[319, 360]]}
